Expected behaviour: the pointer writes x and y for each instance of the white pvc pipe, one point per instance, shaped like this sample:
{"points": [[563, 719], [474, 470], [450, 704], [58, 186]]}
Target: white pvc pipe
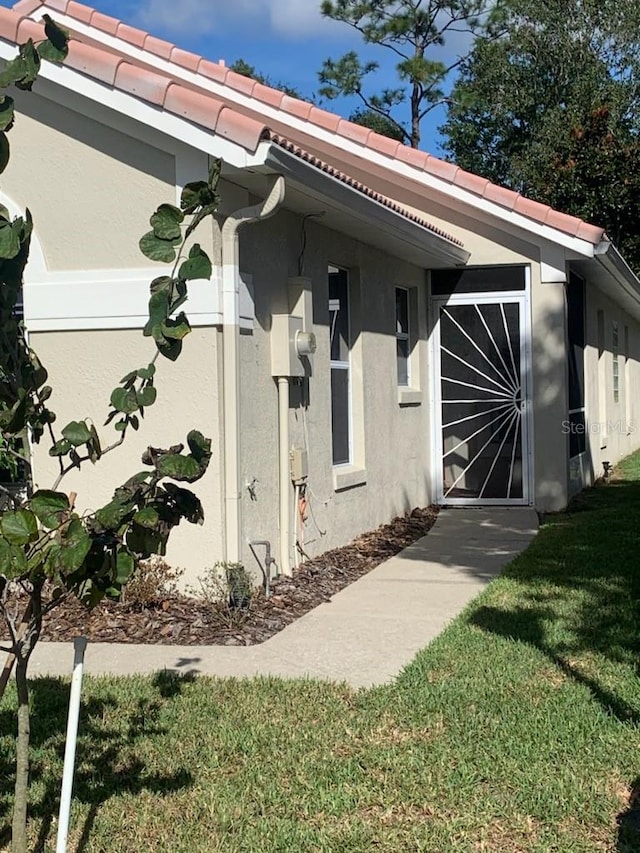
{"points": [[231, 358], [285, 485], [79, 648]]}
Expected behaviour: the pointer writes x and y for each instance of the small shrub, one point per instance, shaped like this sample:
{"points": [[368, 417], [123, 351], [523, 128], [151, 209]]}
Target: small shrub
{"points": [[228, 588], [151, 583]]}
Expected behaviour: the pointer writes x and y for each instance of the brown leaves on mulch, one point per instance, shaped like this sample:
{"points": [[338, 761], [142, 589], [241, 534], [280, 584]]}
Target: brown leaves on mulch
{"points": [[187, 621]]}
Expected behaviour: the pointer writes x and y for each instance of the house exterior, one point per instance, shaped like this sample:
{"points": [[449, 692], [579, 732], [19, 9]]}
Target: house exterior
{"points": [[382, 330]]}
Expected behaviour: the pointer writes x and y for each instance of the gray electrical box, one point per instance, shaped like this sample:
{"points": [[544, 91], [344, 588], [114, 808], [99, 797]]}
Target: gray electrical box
{"points": [[299, 464]]}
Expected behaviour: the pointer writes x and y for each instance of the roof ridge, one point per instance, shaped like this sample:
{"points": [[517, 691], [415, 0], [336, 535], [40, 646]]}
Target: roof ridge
{"points": [[305, 111]]}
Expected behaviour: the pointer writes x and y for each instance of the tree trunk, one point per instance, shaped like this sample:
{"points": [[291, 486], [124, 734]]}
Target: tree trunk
{"points": [[19, 828]]}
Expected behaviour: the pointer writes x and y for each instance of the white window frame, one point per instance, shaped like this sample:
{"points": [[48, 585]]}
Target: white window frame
{"points": [[344, 365], [404, 336]]}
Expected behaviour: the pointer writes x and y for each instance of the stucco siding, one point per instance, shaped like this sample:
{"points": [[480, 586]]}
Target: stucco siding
{"points": [[84, 367], [90, 188], [613, 428], [394, 445]]}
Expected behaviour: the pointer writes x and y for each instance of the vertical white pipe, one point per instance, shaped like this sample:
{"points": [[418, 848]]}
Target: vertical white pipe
{"points": [[283, 431], [79, 648], [231, 359]]}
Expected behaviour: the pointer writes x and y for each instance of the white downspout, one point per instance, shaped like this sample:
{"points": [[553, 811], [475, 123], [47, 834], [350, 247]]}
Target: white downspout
{"points": [[231, 359], [285, 478]]}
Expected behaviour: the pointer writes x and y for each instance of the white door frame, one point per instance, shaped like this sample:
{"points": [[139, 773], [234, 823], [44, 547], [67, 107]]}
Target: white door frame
{"points": [[521, 298]]}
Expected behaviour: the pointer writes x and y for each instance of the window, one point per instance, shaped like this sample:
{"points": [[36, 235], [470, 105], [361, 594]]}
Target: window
{"points": [[576, 338], [615, 347], [403, 343], [340, 343]]}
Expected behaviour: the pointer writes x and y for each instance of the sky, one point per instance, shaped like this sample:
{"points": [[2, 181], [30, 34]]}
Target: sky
{"points": [[287, 40]]}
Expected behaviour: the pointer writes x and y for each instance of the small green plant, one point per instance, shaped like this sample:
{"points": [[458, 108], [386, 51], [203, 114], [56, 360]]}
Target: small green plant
{"points": [[152, 582], [229, 589]]}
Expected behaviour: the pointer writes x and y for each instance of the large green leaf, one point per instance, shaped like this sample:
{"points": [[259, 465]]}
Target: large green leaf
{"points": [[30, 66], [196, 194], [147, 372], [74, 546], [170, 349], [77, 433], [19, 527], [147, 517], [155, 249], [199, 446], [197, 266], [56, 46], [48, 507], [13, 561], [5, 152], [176, 329], [187, 504], [179, 467], [9, 239], [147, 396], [7, 113], [166, 222], [125, 565], [158, 311], [115, 513], [125, 400]]}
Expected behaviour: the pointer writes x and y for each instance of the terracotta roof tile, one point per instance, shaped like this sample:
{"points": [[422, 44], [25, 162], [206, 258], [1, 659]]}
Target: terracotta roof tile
{"points": [[9, 23], [105, 23], [198, 108], [213, 70], [328, 121], [131, 35], [501, 195], [142, 83], [472, 183], [355, 132], [241, 129], [185, 59], [360, 187], [290, 106], [532, 209], [103, 66], [158, 47], [26, 7], [294, 107], [80, 12], [28, 29], [240, 83]]}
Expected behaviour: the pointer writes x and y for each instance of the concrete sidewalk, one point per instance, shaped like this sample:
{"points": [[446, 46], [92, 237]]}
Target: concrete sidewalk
{"points": [[367, 633]]}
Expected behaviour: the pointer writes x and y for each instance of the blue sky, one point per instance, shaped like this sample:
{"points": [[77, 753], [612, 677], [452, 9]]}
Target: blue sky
{"points": [[285, 39]]}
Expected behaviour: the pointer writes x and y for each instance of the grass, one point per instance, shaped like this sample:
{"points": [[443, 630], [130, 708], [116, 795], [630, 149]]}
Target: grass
{"points": [[517, 730]]}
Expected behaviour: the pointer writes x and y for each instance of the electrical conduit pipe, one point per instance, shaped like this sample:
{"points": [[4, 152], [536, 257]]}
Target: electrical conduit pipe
{"points": [[231, 358]]}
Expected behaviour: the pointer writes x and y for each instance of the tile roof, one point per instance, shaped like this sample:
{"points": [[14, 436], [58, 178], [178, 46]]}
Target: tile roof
{"points": [[248, 128], [360, 187]]}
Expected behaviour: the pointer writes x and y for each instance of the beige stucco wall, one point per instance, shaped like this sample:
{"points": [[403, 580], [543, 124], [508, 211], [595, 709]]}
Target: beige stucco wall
{"points": [[90, 188], [613, 429], [84, 367], [394, 448]]}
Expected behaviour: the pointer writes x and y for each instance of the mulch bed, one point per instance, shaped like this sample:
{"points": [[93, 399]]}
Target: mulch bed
{"points": [[187, 621]]}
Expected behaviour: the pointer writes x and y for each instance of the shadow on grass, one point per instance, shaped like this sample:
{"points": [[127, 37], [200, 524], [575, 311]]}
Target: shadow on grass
{"points": [[578, 590], [628, 840], [105, 764]]}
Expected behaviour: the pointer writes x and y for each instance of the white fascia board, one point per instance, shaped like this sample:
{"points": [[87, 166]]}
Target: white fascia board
{"points": [[363, 207], [109, 299], [70, 86], [488, 208], [613, 262]]}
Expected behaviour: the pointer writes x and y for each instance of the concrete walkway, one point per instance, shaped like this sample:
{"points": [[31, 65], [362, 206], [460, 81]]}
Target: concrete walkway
{"points": [[367, 633]]}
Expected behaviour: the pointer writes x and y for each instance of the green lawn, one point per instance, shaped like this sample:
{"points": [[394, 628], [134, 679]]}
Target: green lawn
{"points": [[517, 730]]}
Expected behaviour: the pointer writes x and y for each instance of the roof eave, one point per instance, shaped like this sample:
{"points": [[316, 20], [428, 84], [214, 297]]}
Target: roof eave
{"points": [[393, 231]]}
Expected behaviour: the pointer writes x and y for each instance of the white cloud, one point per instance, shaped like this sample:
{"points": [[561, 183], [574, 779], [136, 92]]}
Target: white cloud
{"points": [[284, 18]]}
